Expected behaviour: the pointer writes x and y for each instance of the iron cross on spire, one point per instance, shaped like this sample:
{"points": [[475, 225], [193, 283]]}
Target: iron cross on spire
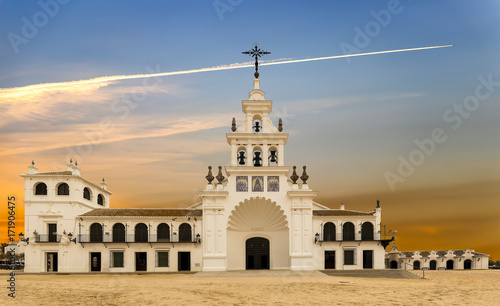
{"points": [[256, 52]]}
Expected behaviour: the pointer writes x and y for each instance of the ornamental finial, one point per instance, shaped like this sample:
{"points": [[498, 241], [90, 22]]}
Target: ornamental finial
{"points": [[256, 52], [233, 125], [304, 176], [220, 177], [294, 176], [209, 176], [280, 126], [32, 162]]}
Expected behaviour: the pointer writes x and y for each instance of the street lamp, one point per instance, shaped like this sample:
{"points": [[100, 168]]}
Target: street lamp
{"points": [[70, 235]]}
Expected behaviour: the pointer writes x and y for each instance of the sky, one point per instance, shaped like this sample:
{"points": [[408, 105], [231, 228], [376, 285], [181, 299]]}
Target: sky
{"points": [[418, 130]]}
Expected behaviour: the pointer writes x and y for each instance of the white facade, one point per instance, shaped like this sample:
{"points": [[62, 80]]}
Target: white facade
{"points": [[252, 215], [437, 260]]}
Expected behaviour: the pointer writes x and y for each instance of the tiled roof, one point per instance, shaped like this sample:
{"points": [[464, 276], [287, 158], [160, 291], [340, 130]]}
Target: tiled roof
{"points": [[143, 212], [459, 252], [339, 212], [441, 253], [408, 254], [425, 253]]}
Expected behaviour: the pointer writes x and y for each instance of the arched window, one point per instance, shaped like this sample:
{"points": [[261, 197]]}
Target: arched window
{"points": [[257, 124], [467, 264], [185, 233], [329, 232], [41, 189], [118, 232], [257, 158], [163, 233], [272, 157], [63, 189], [100, 199], [242, 156], [86, 193], [96, 232], [141, 233], [416, 265], [348, 231], [432, 265], [450, 264], [367, 231]]}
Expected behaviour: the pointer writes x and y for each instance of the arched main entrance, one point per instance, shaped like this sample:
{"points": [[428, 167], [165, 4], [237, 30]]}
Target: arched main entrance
{"points": [[467, 264], [257, 253], [449, 265], [394, 264]]}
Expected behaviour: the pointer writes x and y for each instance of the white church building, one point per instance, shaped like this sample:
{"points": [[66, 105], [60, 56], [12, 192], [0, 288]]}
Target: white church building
{"points": [[256, 213]]}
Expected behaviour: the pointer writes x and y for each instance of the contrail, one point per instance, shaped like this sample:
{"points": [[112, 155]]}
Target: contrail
{"points": [[15, 92]]}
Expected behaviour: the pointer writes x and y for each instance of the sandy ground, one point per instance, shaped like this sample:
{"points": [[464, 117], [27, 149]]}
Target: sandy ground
{"points": [[441, 288]]}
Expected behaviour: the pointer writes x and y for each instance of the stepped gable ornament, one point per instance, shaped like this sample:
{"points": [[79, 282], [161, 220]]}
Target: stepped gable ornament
{"points": [[210, 177], [233, 125], [256, 52], [294, 176], [304, 176], [280, 126], [220, 177]]}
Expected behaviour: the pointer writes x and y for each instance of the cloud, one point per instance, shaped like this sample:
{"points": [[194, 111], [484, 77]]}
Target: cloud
{"points": [[31, 91]]}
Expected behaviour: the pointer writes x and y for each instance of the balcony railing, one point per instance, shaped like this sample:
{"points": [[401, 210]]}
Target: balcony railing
{"points": [[357, 237], [48, 238], [85, 238]]}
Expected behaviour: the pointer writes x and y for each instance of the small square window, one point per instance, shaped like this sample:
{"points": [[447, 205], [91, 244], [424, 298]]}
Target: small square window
{"points": [[117, 259], [162, 259]]}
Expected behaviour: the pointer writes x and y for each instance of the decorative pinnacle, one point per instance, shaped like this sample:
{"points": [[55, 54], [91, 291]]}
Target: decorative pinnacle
{"points": [[76, 163], [256, 52], [32, 162], [304, 176], [280, 126], [209, 177], [103, 180], [378, 204], [233, 125], [71, 160], [294, 176], [220, 177]]}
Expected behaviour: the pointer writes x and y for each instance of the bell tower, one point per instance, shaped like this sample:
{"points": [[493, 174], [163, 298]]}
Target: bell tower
{"points": [[257, 142]]}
